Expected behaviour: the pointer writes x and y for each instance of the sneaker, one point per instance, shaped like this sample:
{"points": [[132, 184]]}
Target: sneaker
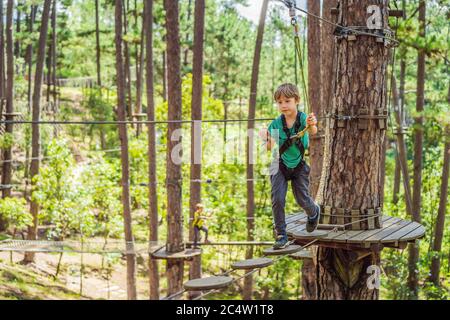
{"points": [[281, 242], [312, 223]]}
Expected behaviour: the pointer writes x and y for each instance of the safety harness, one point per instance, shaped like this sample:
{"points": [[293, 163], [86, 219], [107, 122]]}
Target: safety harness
{"points": [[294, 140], [289, 173]]}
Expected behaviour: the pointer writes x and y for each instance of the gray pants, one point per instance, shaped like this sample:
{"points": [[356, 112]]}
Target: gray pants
{"points": [[300, 187], [197, 234]]}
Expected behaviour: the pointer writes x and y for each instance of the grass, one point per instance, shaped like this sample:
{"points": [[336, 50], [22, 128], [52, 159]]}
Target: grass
{"points": [[18, 282]]}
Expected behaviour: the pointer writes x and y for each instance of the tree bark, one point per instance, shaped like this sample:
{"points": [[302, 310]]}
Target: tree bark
{"points": [[413, 249], [139, 74], [18, 25], [164, 75], [35, 130], [352, 159], [314, 89], [402, 151], [174, 152], [440, 221], [326, 71], [2, 55], [97, 44], [127, 70], [153, 272], [248, 280], [125, 179], [7, 169], [195, 270], [397, 178], [29, 60], [398, 171]]}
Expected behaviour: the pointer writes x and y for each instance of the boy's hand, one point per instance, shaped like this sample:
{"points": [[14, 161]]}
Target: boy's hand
{"points": [[264, 134], [311, 120]]}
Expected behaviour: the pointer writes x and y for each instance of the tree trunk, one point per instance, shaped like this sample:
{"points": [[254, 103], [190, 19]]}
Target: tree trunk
{"points": [[164, 75], [314, 89], [2, 55], [398, 171], [18, 24], [125, 181], [413, 249], [7, 169], [139, 74], [53, 66], [188, 20], [440, 221], [97, 44], [248, 280], [35, 130], [29, 60], [324, 67], [352, 158], [153, 273], [195, 270], [173, 172], [397, 178], [127, 70]]}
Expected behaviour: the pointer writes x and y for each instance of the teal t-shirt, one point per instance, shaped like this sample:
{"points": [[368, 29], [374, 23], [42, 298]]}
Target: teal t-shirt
{"points": [[292, 156]]}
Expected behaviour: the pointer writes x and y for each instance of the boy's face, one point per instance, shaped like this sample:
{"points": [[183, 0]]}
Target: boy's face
{"points": [[287, 106]]}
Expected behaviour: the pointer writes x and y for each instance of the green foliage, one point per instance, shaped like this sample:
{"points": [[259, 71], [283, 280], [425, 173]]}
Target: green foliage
{"points": [[6, 140], [63, 201], [101, 181], [15, 213]]}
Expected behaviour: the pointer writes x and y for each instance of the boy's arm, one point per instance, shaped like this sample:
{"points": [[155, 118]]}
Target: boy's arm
{"points": [[312, 130], [311, 121], [267, 139]]}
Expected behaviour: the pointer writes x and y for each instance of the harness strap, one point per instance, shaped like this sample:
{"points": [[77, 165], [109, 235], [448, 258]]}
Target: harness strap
{"points": [[288, 143]]}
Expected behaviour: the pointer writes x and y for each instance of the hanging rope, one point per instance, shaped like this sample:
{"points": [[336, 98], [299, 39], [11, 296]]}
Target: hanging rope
{"points": [[299, 58]]}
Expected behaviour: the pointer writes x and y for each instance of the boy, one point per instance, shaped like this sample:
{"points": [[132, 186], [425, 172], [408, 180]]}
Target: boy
{"points": [[291, 164], [198, 224]]}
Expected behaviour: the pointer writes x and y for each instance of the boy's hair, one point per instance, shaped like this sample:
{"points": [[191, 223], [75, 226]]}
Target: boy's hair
{"points": [[287, 90], [199, 206]]}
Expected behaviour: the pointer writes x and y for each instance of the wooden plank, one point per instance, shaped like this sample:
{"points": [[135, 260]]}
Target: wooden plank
{"points": [[209, 283], [296, 227], [388, 231], [345, 235], [371, 220], [367, 233], [413, 235], [396, 235], [355, 217], [326, 217], [341, 218], [293, 217]]}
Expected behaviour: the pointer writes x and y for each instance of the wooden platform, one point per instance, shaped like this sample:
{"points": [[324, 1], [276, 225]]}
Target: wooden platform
{"points": [[208, 283], [278, 252], [251, 264], [302, 254], [395, 233], [186, 254]]}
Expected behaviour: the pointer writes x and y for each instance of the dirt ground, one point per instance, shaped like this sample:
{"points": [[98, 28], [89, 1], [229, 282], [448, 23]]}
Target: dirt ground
{"points": [[95, 284]]}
